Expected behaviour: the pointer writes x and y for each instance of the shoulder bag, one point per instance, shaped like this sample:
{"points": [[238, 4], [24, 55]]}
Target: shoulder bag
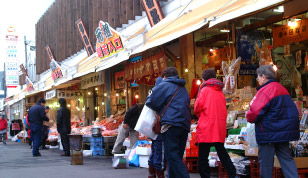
{"points": [[156, 126]]}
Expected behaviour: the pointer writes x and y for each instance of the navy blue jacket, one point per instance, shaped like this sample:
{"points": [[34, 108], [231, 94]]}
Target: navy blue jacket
{"points": [[178, 112], [274, 113], [37, 115]]}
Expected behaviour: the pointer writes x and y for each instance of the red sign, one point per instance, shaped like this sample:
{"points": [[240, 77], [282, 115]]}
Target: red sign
{"points": [[84, 37], [56, 71], [108, 41], [153, 10], [49, 53]]}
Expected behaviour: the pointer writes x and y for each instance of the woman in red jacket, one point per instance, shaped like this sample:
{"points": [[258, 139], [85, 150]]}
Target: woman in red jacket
{"points": [[3, 127], [210, 108]]}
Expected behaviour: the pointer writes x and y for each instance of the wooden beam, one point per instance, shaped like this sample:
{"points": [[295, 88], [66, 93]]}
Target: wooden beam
{"points": [[213, 39], [263, 23]]}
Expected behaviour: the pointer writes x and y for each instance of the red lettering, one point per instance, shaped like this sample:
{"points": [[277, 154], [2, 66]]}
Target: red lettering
{"points": [[118, 43], [111, 47], [105, 50], [99, 52]]}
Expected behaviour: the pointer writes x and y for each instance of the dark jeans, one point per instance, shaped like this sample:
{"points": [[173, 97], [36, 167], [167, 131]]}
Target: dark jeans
{"points": [[65, 140], [36, 137], [157, 157], [175, 141], [283, 153], [203, 162], [44, 137]]}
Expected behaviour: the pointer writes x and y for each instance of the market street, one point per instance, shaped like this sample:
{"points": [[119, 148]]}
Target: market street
{"points": [[16, 161]]}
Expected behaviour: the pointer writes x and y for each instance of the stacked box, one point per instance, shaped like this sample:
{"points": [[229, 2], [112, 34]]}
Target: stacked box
{"points": [[191, 149], [96, 145]]}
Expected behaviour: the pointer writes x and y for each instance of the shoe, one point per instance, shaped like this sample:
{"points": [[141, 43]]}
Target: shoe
{"points": [[4, 143], [63, 154], [36, 155]]}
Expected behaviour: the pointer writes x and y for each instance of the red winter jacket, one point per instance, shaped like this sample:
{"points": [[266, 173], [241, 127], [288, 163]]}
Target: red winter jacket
{"points": [[210, 108], [3, 124]]}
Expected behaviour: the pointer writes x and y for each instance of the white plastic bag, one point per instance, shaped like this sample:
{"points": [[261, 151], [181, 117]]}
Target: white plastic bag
{"points": [[145, 122], [251, 135], [14, 139]]}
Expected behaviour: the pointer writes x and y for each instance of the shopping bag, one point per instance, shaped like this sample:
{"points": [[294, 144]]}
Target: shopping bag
{"points": [[145, 122], [251, 135]]}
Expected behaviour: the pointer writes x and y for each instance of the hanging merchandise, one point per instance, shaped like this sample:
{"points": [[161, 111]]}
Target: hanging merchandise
{"points": [[230, 72], [264, 54], [306, 61]]}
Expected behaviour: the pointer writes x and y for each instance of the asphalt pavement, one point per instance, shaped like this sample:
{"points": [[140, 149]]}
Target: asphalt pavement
{"points": [[16, 161]]}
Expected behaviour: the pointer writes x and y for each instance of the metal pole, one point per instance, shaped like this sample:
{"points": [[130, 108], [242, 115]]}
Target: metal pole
{"points": [[25, 41]]}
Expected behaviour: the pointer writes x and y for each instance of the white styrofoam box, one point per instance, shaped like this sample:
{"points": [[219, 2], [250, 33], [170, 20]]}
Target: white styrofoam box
{"points": [[127, 151], [143, 161], [87, 153], [126, 143], [143, 151]]}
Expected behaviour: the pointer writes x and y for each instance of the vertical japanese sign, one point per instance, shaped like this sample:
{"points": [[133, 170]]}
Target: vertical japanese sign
{"points": [[284, 35], [11, 64], [56, 71], [153, 11], [28, 81], [108, 42], [84, 37]]}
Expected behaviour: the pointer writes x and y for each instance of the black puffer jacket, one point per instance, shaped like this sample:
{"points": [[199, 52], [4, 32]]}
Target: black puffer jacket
{"points": [[132, 115], [63, 118]]}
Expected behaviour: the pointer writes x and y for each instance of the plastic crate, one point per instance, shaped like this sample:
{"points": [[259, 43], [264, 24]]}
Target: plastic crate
{"points": [[254, 167], [94, 148], [96, 142], [191, 165], [302, 173], [222, 172], [98, 152]]}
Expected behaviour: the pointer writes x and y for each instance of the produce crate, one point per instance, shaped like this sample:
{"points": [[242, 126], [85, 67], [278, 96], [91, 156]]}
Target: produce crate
{"points": [[254, 167], [98, 152], [222, 172], [191, 165], [302, 173]]}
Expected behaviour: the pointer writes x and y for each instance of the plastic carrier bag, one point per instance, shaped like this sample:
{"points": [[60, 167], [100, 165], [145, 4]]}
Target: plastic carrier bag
{"points": [[145, 122], [251, 135]]}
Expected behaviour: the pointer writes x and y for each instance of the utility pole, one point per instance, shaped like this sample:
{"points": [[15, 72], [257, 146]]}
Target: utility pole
{"points": [[26, 56]]}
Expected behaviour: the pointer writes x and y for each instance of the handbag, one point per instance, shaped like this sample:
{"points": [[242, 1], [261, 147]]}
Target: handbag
{"points": [[157, 126]]}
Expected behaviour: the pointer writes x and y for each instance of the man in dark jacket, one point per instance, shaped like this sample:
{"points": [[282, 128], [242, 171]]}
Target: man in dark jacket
{"points": [[45, 131], [277, 122], [64, 126], [175, 122], [127, 128], [36, 116]]}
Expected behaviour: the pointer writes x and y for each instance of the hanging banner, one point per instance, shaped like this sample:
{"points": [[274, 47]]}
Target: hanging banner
{"points": [[119, 82], [56, 71], [29, 84], [50, 94], [153, 11], [92, 80], [108, 42], [84, 37], [69, 94]]}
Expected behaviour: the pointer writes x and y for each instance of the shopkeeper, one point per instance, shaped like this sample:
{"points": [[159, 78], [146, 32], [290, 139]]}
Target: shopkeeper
{"points": [[277, 122]]}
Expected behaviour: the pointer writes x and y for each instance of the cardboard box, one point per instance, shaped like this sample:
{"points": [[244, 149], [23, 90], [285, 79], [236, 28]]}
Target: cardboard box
{"points": [[143, 161], [193, 136], [192, 145], [143, 151], [251, 151], [235, 147], [301, 162]]}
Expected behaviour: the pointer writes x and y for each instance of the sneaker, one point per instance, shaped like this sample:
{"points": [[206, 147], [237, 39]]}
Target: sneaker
{"points": [[4, 143], [36, 155]]}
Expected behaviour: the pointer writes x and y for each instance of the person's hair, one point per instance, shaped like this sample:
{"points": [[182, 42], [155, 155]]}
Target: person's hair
{"points": [[169, 72], [62, 102], [208, 74], [47, 107], [267, 70], [41, 100]]}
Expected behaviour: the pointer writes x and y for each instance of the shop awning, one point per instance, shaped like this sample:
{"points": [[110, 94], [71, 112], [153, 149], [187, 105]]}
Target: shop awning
{"points": [[87, 66], [195, 15], [116, 59], [242, 7]]}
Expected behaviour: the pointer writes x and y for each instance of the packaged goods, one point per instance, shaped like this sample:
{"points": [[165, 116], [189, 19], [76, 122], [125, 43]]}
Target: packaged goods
{"points": [[120, 161], [230, 72], [264, 54]]}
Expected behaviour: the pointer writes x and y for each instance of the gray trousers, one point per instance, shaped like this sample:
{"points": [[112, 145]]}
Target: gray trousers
{"points": [[3, 135], [123, 134], [283, 153]]}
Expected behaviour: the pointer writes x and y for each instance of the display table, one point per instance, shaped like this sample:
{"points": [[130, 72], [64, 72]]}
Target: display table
{"points": [[108, 144]]}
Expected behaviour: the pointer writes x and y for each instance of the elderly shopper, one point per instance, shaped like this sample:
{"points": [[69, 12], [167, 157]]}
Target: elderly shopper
{"points": [[210, 108], [175, 123], [276, 120], [3, 128]]}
